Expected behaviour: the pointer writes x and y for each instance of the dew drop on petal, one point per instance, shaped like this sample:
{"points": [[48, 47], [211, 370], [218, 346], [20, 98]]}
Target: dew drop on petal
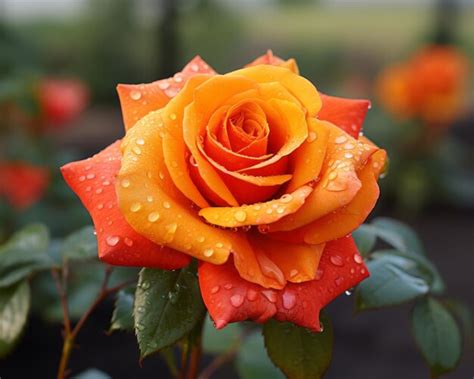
{"points": [[240, 216], [340, 139], [140, 141], [228, 286], [286, 198], [338, 281], [128, 242], [270, 295], [125, 183], [252, 295], [112, 240], [312, 136], [208, 253], [166, 205], [135, 207], [236, 300], [358, 259], [289, 300], [319, 274], [153, 216], [336, 260], [215, 289], [135, 95]]}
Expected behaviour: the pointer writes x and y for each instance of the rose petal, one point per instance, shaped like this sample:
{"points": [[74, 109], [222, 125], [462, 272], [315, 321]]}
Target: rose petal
{"points": [[229, 298], [348, 114], [271, 59], [306, 162], [170, 218], [298, 86], [137, 100], [338, 183], [256, 214], [93, 180]]}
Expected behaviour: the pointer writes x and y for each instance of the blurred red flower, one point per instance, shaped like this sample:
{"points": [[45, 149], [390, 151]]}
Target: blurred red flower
{"points": [[62, 100], [22, 184]]}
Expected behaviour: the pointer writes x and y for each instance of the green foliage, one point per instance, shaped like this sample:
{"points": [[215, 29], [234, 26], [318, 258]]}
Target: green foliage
{"points": [[14, 307], [80, 245], [437, 335], [394, 279], [167, 307], [24, 253], [253, 362], [122, 317], [298, 352], [365, 238]]}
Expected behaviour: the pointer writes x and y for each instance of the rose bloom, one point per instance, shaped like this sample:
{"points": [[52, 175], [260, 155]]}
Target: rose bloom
{"points": [[22, 184], [430, 85], [254, 173]]}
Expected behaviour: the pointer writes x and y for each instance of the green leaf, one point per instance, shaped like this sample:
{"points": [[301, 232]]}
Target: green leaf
{"points": [[122, 317], [80, 245], [167, 306], [252, 361], [464, 315], [365, 238], [24, 253], [92, 373], [219, 341], [14, 307], [398, 235], [394, 279], [298, 352], [437, 335]]}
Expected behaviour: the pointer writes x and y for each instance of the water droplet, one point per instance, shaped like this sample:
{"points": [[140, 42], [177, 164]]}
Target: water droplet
{"points": [[264, 229], [140, 141], [293, 273], [332, 175], [149, 198], [161, 175], [219, 245], [112, 240], [358, 259], [348, 155], [349, 292], [349, 146], [289, 300], [82, 178], [192, 160], [269, 211], [90, 176], [336, 260], [137, 150], [215, 289], [135, 207], [173, 297], [340, 139], [338, 281], [135, 95], [153, 216], [195, 67], [171, 228], [173, 116], [140, 309], [100, 206], [163, 84], [128, 242], [236, 300], [319, 274], [280, 210], [166, 205], [208, 253], [228, 286], [201, 239], [105, 183], [312, 136], [139, 326], [125, 183], [145, 285], [270, 295], [240, 216], [252, 295]]}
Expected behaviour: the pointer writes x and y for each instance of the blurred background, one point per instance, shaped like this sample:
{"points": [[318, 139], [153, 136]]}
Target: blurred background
{"points": [[60, 61]]}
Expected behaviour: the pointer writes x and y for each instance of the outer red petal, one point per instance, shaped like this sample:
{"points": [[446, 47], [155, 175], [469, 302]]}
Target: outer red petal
{"points": [[348, 114], [93, 180], [229, 298]]}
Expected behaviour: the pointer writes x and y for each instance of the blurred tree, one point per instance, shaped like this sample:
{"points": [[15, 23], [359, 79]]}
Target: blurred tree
{"points": [[447, 12], [168, 35]]}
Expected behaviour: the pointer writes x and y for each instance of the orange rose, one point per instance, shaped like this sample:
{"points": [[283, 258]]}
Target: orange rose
{"points": [[254, 173], [430, 85]]}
